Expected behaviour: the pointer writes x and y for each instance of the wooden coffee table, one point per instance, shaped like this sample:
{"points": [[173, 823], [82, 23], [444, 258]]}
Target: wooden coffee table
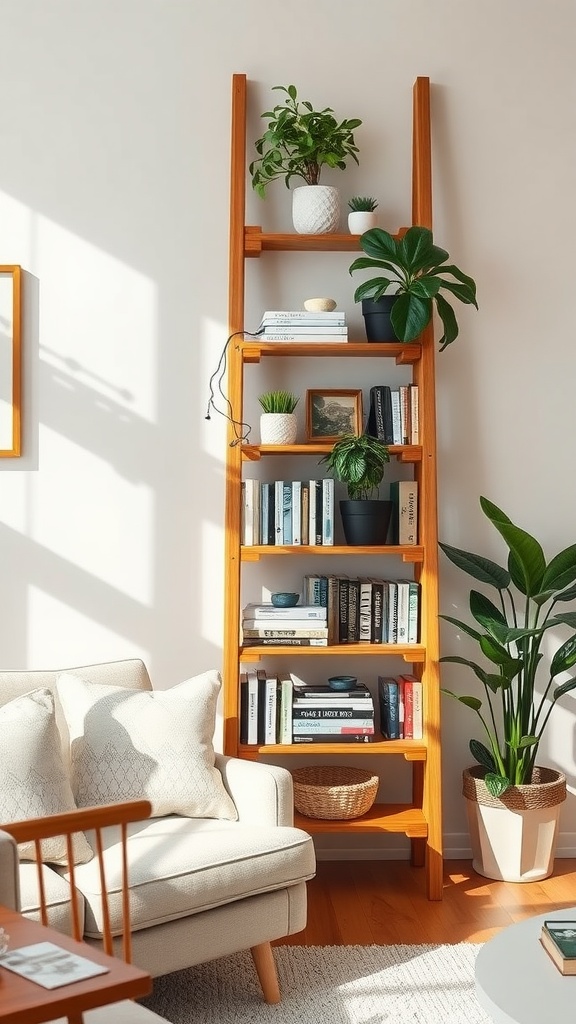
{"points": [[24, 1002], [516, 979]]}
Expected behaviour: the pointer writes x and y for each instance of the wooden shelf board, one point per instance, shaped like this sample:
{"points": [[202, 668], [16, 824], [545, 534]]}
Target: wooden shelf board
{"points": [[412, 653], [254, 452], [257, 241], [402, 818], [411, 750], [408, 552], [253, 351]]}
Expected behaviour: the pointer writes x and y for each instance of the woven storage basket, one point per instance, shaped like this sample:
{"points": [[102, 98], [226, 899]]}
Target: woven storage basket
{"points": [[329, 791]]}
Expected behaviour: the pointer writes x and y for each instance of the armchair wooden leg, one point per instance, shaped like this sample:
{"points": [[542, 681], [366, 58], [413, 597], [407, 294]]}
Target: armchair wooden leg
{"points": [[266, 971]]}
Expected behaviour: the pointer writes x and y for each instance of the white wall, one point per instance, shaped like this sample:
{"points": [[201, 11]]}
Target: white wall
{"points": [[114, 165]]}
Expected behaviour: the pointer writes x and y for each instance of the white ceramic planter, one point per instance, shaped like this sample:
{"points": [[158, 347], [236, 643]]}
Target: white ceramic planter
{"points": [[278, 428], [360, 221], [315, 209], [514, 838]]}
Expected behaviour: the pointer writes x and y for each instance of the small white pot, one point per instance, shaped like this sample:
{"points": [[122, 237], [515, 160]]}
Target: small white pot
{"points": [[315, 209], [360, 221], [278, 428]]}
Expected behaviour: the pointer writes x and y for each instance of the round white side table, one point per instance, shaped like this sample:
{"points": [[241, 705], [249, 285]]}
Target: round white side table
{"points": [[516, 980]]}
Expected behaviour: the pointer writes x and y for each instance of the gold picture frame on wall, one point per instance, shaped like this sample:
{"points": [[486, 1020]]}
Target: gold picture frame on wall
{"points": [[10, 361]]}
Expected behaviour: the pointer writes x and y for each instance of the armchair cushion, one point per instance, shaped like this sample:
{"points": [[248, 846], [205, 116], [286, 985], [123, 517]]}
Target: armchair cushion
{"points": [[133, 744], [34, 780]]}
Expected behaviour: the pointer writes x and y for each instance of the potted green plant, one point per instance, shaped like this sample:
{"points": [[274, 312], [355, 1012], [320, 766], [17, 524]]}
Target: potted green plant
{"points": [[417, 272], [362, 214], [298, 142], [358, 461], [514, 636], [278, 423]]}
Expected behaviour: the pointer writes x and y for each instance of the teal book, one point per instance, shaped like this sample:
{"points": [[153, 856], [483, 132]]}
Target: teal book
{"points": [[563, 935]]}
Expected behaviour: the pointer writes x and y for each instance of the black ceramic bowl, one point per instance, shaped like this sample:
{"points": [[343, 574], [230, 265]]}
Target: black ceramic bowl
{"points": [[342, 682], [285, 600]]}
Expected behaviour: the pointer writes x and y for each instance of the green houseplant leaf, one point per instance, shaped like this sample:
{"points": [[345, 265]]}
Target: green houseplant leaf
{"points": [[518, 689], [418, 275]]}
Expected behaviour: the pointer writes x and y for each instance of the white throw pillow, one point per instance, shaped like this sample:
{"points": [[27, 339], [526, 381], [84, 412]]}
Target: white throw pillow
{"points": [[139, 744], [34, 782]]}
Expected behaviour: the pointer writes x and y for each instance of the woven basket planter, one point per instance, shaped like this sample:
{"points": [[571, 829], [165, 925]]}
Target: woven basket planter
{"points": [[338, 792], [514, 836]]}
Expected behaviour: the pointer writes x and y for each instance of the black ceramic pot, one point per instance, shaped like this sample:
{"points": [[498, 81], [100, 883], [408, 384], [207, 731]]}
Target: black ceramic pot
{"points": [[365, 522], [377, 321]]}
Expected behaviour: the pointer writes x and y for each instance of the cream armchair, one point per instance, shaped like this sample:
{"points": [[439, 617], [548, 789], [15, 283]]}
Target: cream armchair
{"points": [[202, 885]]}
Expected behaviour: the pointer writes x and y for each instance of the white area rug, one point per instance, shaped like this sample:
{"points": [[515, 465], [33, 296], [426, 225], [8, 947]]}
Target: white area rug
{"points": [[332, 984]]}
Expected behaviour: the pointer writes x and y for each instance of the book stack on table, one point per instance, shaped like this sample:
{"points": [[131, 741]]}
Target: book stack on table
{"points": [[301, 626], [323, 715], [300, 325]]}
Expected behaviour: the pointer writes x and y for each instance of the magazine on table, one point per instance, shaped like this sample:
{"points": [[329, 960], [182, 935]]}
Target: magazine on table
{"points": [[50, 965]]}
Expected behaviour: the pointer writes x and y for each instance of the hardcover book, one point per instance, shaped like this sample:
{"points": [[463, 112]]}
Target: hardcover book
{"points": [[270, 611], [380, 414], [404, 498], [559, 940]]}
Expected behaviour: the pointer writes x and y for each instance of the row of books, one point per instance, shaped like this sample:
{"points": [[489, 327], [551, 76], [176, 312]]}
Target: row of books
{"points": [[291, 512], [302, 625], [394, 414], [366, 609], [400, 702], [302, 325], [275, 709]]}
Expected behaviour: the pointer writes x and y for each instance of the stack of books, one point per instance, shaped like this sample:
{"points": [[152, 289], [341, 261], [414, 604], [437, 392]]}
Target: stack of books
{"points": [[300, 325], [400, 701], [559, 940], [301, 626], [323, 715]]}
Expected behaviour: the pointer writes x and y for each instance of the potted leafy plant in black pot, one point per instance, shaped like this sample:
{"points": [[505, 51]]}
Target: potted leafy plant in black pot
{"points": [[515, 636], [298, 142], [415, 272], [359, 461]]}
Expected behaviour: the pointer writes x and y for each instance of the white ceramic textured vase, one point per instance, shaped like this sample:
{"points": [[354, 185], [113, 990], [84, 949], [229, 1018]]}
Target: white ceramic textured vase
{"points": [[315, 209], [360, 221], [278, 428]]}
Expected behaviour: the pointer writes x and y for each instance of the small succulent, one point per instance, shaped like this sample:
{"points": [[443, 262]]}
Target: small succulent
{"points": [[366, 204], [278, 401]]}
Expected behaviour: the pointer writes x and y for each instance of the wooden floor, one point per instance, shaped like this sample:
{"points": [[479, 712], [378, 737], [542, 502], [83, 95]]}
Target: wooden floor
{"points": [[384, 903]]}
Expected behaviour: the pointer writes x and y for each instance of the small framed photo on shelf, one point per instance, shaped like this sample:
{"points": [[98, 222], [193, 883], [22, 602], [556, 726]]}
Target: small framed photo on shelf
{"points": [[332, 413]]}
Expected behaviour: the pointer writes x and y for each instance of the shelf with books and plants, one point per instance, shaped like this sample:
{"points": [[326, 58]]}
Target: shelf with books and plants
{"points": [[248, 564]]}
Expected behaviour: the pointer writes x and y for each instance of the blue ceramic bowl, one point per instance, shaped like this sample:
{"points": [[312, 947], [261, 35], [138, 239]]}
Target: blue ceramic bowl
{"points": [[285, 600], [342, 682]]}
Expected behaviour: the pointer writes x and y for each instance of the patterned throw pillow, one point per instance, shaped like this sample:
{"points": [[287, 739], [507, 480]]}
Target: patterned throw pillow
{"points": [[139, 744], [34, 782]]}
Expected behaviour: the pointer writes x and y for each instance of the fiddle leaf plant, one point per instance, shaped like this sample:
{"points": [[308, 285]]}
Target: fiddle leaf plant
{"points": [[358, 461], [299, 141], [510, 635], [417, 272]]}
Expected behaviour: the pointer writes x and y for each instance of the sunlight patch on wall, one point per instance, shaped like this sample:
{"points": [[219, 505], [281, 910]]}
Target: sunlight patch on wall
{"points": [[86, 509], [54, 626], [99, 320], [212, 575]]}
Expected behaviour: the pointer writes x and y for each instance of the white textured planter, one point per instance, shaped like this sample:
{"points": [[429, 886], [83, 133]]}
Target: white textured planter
{"points": [[360, 221], [514, 837], [278, 428], [315, 209]]}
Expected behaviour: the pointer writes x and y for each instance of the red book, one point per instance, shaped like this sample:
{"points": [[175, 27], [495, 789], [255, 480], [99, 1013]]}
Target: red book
{"points": [[408, 693]]}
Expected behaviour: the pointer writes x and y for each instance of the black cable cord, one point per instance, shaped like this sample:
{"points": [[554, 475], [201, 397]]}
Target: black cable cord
{"points": [[219, 372]]}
